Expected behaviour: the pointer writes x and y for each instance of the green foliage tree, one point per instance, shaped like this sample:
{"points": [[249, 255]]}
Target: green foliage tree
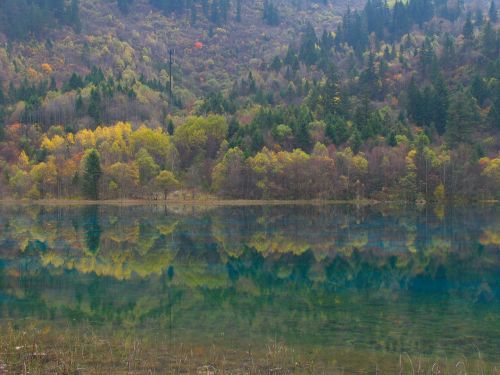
{"points": [[468, 30], [148, 169], [492, 12], [308, 52], [238, 10], [270, 13], [170, 127], [462, 117], [166, 183], [95, 109], [229, 175], [91, 175], [124, 6]]}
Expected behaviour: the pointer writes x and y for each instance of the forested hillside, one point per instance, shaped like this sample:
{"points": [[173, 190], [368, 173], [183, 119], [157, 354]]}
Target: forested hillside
{"points": [[288, 99]]}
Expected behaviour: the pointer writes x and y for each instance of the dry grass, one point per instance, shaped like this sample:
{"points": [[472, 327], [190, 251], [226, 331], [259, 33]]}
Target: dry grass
{"points": [[35, 350], [41, 350]]}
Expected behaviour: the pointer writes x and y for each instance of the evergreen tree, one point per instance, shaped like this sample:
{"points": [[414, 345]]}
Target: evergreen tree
{"points": [[74, 15], [489, 43], [303, 136], [440, 104], [494, 113], [53, 84], [427, 56], [415, 100], [194, 15], [238, 10], [479, 89], [234, 127], [462, 117], [95, 106], [276, 64], [2, 124], [492, 13], [224, 9], [91, 174], [330, 93], [204, 7], [170, 127], [79, 107], [270, 14], [355, 140], [468, 30], [24, 19], [214, 12], [123, 6], [2, 95], [448, 55], [478, 17], [308, 53], [75, 82]]}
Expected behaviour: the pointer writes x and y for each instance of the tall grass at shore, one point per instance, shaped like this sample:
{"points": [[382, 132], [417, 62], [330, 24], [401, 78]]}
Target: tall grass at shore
{"points": [[36, 349]]}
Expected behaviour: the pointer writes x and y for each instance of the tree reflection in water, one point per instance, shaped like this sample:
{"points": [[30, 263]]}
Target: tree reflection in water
{"points": [[321, 279]]}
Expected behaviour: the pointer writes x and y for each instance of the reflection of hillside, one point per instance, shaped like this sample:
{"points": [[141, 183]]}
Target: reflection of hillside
{"points": [[123, 242], [315, 276], [491, 236]]}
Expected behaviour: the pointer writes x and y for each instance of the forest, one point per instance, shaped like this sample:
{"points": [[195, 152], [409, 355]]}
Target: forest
{"points": [[283, 100]]}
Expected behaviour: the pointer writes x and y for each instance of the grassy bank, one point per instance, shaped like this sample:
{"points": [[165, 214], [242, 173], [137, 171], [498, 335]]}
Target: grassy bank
{"points": [[202, 201], [43, 349], [216, 202]]}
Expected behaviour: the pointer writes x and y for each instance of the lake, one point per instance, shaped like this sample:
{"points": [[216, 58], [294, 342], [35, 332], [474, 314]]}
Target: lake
{"points": [[254, 289]]}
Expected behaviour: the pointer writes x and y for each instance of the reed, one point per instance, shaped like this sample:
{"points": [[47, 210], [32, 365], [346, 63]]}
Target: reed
{"points": [[36, 349]]}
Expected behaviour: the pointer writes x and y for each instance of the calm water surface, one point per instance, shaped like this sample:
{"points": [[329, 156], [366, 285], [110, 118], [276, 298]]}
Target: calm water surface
{"points": [[341, 284]]}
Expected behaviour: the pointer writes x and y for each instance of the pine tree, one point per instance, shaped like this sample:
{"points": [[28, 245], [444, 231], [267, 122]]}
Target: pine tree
{"points": [[238, 11], [479, 17], [170, 127], [440, 104], [489, 42], [2, 124], [224, 9], [214, 15], [448, 55], [462, 116], [194, 15], [330, 93], [276, 64], [91, 174], [95, 106], [74, 15], [53, 84], [479, 89], [308, 53], [355, 140], [79, 108], [123, 6], [204, 7], [414, 102], [303, 136], [270, 14], [468, 29], [493, 12], [2, 95]]}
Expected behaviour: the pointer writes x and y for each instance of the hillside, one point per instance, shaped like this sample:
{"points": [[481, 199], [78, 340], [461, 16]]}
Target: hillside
{"points": [[294, 99], [134, 45]]}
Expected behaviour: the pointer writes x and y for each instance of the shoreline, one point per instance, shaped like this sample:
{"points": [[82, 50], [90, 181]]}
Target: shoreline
{"points": [[221, 202], [190, 202]]}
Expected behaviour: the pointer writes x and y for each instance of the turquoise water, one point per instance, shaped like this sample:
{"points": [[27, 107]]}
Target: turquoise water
{"points": [[358, 284]]}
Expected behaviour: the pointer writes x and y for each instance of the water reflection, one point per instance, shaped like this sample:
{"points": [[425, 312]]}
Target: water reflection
{"points": [[370, 278]]}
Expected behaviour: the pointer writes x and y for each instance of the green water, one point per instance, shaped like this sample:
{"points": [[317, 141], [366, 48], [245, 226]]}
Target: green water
{"points": [[354, 286]]}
